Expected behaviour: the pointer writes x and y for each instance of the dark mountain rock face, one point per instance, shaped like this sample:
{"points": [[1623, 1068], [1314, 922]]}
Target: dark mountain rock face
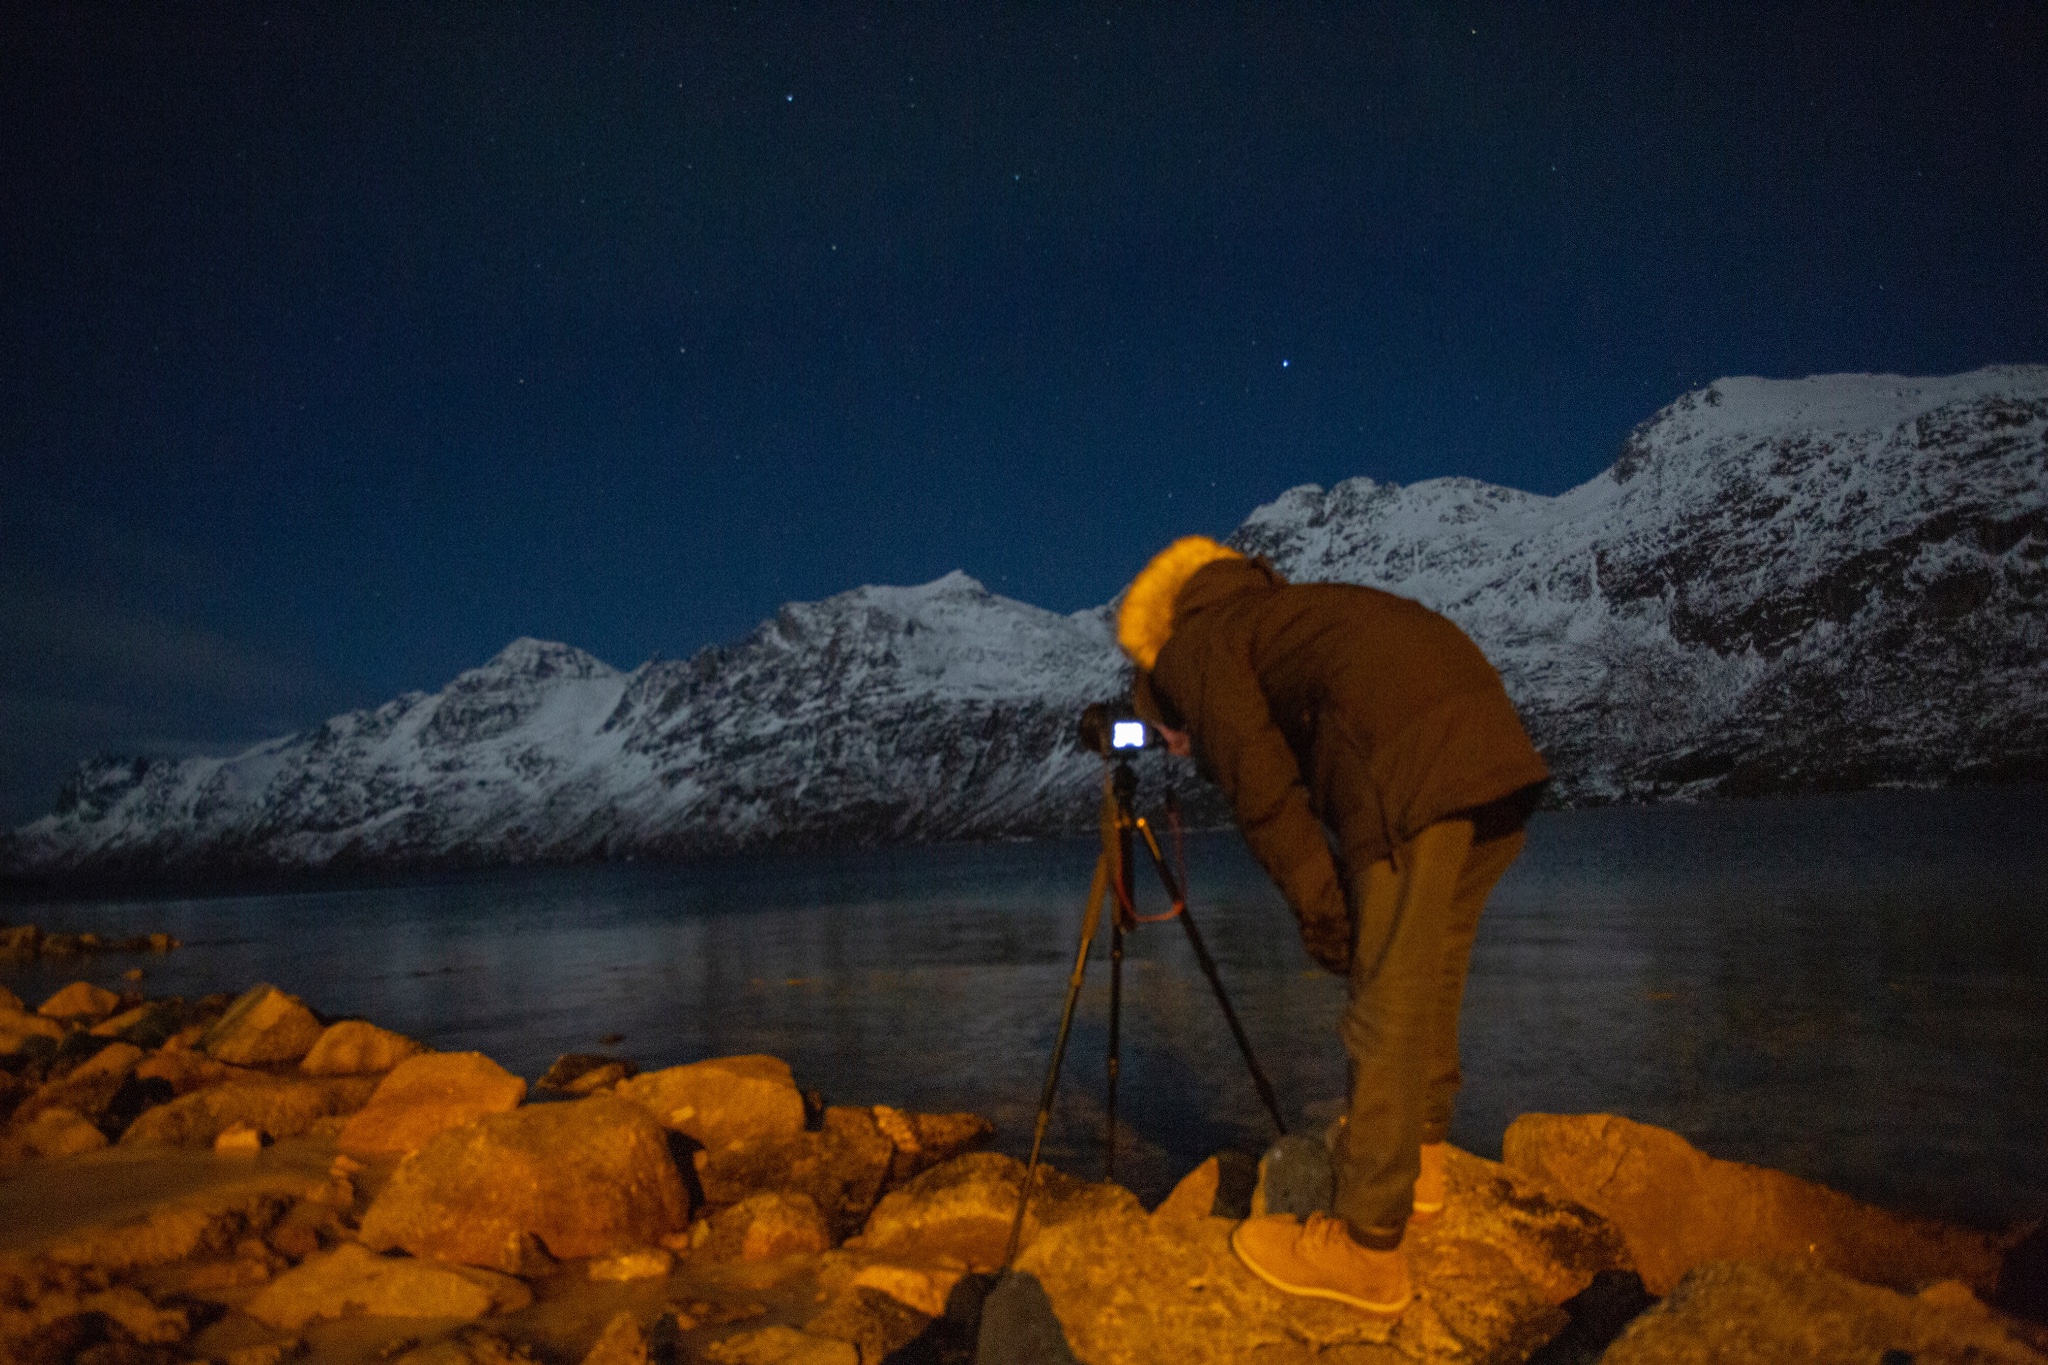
{"points": [[1831, 582]]}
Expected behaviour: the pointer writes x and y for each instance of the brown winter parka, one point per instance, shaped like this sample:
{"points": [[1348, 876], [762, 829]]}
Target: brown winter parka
{"points": [[1326, 705]]}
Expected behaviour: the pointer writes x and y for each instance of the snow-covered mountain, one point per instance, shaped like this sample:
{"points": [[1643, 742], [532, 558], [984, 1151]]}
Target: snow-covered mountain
{"points": [[1836, 581]]}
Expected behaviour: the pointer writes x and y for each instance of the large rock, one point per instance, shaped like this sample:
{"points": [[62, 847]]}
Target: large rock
{"points": [[1745, 1311], [721, 1101], [961, 1212], [81, 1001], [763, 1227], [351, 1281], [148, 1025], [278, 1108], [20, 941], [427, 1095], [10, 1003], [1493, 1270], [355, 1047], [840, 1168], [1678, 1208], [186, 1071], [263, 1025], [585, 1178]]}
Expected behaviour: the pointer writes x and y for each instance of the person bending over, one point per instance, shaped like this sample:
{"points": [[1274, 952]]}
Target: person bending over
{"points": [[1382, 778]]}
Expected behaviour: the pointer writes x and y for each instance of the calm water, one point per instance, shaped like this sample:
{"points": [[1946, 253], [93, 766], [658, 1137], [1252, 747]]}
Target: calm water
{"points": [[1852, 988]]}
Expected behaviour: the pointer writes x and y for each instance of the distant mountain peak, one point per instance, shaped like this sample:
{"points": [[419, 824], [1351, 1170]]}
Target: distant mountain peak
{"points": [[1782, 584]]}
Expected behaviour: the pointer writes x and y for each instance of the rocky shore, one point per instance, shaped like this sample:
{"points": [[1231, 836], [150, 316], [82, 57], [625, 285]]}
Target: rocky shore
{"points": [[237, 1180]]}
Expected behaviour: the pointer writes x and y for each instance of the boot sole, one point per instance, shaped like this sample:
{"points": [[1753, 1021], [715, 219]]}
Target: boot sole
{"points": [[1392, 1309]]}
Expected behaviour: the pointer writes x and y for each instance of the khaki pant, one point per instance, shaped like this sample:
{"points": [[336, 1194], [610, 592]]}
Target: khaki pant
{"points": [[1416, 916]]}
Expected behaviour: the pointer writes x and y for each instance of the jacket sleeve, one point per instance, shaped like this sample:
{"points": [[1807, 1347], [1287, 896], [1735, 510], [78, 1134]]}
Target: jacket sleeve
{"points": [[1245, 752]]}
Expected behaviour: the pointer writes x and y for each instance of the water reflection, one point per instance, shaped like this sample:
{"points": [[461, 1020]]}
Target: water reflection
{"points": [[1854, 988]]}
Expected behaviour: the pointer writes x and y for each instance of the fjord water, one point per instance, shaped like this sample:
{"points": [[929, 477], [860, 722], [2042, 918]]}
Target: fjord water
{"points": [[1853, 988]]}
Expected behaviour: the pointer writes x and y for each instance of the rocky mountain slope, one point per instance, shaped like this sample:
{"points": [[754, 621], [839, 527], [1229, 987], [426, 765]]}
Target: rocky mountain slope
{"points": [[1828, 582]]}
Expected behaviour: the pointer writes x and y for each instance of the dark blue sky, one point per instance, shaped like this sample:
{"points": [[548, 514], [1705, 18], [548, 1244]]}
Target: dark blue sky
{"points": [[341, 344]]}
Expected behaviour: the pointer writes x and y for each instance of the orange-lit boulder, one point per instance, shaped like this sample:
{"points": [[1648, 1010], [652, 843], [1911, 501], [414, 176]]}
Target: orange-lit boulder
{"points": [[585, 1177], [263, 1025], [1677, 1208], [87, 1088], [81, 1001], [763, 1227], [723, 1100], [355, 1047], [963, 1209], [426, 1095]]}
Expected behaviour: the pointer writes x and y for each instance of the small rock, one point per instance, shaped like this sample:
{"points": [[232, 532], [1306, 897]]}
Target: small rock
{"points": [[1677, 1208], [239, 1139], [580, 1073], [20, 941], [780, 1346], [351, 1279], [1788, 1310], [1295, 1176], [723, 1100], [132, 974], [80, 1001], [269, 1353], [426, 1095], [621, 1343], [586, 1177], [923, 1141], [468, 1346], [354, 1047], [763, 1227], [263, 1025], [697, 1313], [635, 1263]]}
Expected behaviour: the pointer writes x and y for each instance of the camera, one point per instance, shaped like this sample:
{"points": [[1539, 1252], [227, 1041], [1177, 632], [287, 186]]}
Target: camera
{"points": [[1114, 732]]}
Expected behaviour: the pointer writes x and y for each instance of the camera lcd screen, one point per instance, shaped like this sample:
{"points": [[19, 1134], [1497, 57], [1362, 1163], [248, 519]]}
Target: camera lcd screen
{"points": [[1127, 734]]}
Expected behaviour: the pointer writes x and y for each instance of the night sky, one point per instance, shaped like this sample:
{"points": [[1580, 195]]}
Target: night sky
{"points": [[341, 344]]}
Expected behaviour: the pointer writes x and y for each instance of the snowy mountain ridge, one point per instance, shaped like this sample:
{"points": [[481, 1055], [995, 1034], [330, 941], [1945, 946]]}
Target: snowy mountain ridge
{"points": [[1828, 582]]}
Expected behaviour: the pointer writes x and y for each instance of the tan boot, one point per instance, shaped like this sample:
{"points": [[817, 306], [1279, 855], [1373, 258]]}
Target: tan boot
{"points": [[1318, 1258], [1429, 1186]]}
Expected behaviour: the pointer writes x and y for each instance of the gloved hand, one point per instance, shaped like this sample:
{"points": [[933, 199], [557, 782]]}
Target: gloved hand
{"points": [[1328, 940]]}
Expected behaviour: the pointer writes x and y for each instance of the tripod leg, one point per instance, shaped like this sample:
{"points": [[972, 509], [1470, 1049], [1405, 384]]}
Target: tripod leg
{"points": [[1116, 992], [1089, 920], [1208, 964], [1244, 1044]]}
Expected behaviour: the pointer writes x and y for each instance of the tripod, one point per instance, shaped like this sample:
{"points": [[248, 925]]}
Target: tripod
{"points": [[1119, 823]]}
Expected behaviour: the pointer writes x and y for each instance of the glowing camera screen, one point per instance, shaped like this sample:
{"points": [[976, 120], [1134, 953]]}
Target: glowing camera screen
{"points": [[1127, 734]]}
